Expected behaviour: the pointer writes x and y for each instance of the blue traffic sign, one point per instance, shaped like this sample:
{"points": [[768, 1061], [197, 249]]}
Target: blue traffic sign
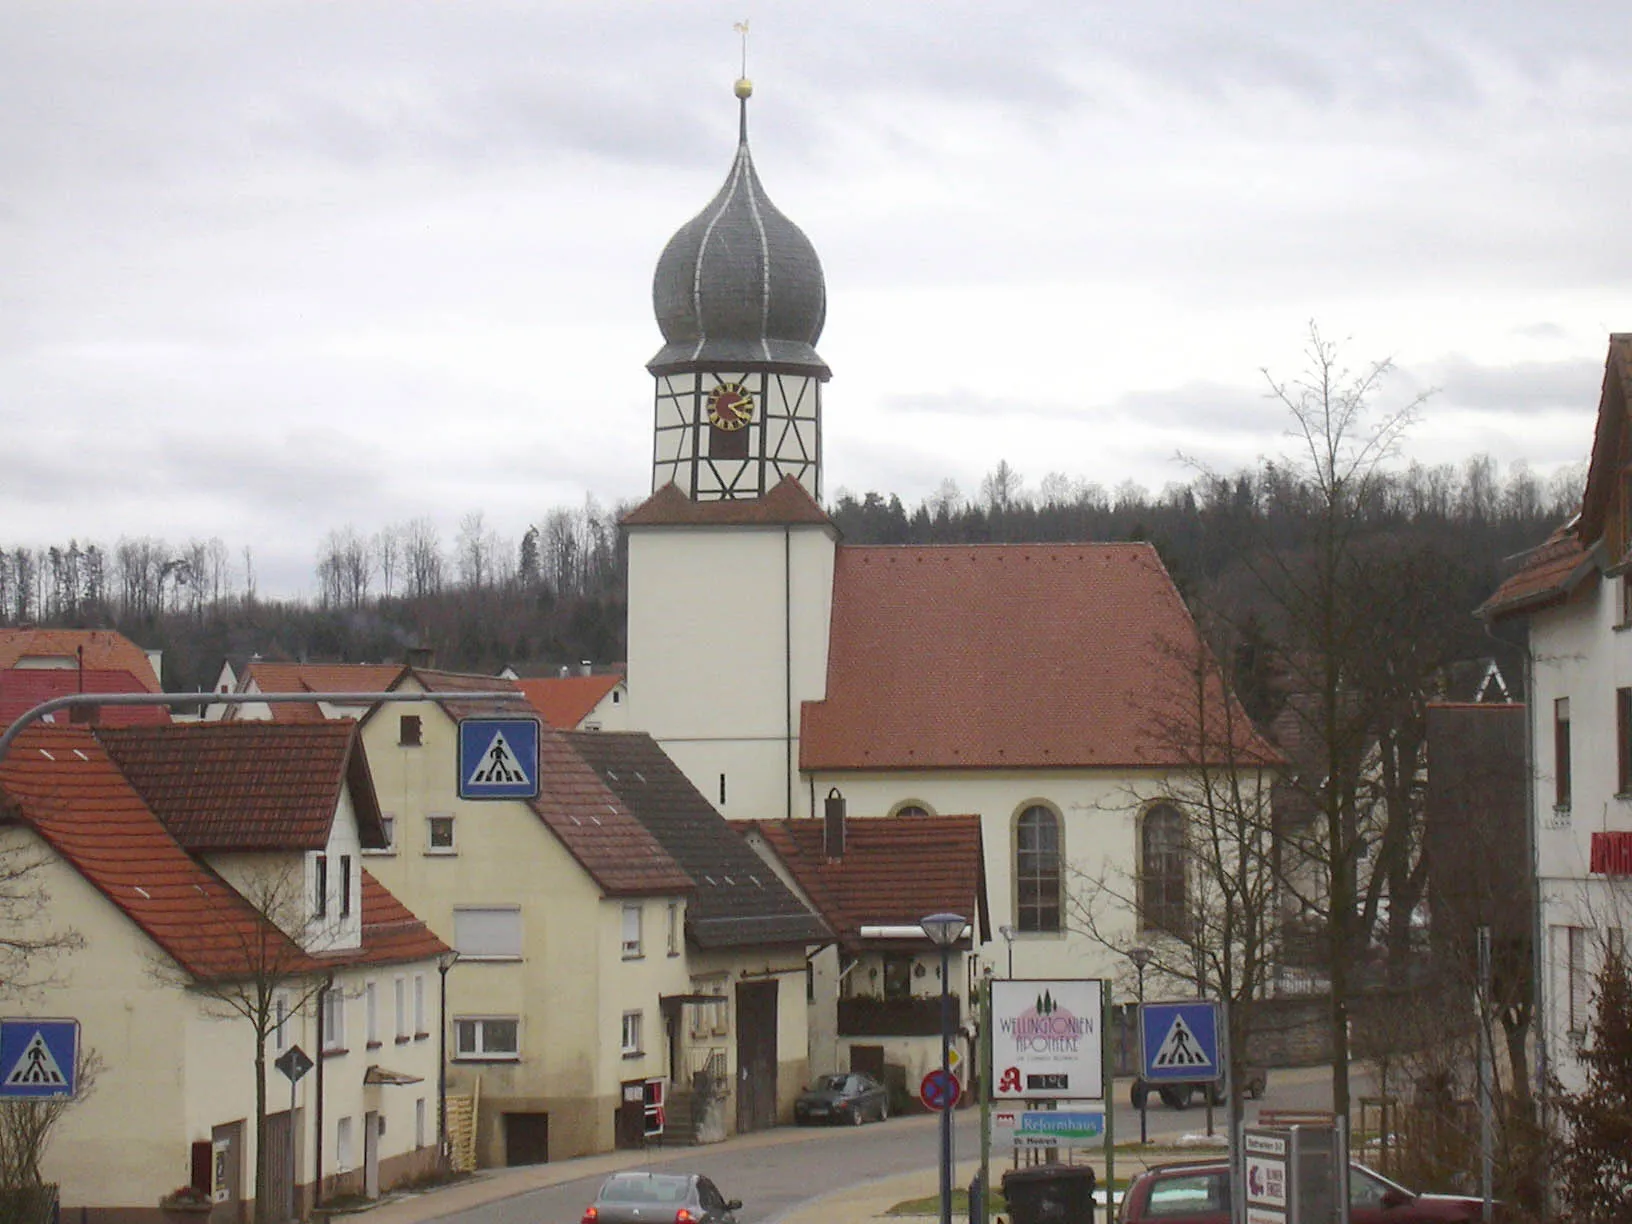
{"points": [[39, 1058], [498, 758], [1179, 1041], [940, 1090]]}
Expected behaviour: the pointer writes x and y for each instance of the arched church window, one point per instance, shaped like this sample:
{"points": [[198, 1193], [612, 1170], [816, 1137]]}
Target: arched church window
{"points": [[1162, 902], [912, 808], [1037, 870]]}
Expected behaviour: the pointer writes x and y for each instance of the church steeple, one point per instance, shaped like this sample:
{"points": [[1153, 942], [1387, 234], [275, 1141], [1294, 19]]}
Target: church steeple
{"points": [[740, 299]]}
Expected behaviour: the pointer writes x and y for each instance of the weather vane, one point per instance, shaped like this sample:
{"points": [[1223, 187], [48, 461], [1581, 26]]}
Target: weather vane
{"points": [[741, 27], [744, 86]]}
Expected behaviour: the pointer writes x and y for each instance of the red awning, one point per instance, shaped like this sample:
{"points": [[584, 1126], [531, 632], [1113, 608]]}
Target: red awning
{"points": [[1612, 854]]}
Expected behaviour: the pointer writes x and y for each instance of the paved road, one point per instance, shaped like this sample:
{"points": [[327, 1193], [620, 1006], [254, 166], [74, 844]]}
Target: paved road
{"points": [[794, 1166]]}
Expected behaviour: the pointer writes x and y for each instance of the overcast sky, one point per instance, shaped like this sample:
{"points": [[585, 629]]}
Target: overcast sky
{"points": [[268, 269]]}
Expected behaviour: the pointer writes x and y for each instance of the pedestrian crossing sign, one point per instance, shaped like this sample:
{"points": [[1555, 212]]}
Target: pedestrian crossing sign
{"points": [[39, 1058], [1179, 1041], [498, 758]]}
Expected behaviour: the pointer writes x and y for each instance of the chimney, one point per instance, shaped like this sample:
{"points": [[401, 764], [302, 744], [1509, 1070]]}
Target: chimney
{"points": [[85, 715], [421, 656], [585, 667], [833, 830]]}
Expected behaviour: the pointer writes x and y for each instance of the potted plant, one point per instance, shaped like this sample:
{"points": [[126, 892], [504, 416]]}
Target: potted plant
{"points": [[187, 1199]]}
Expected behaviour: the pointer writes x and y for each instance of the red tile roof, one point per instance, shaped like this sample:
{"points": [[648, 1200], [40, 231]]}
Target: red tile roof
{"points": [[61, 782], [1059, 656], [391, 933], [313, 678], [787, 503], [895, 870], [589, 820], [249, 785], [1547, 576], [565, 701], [104, 649], [1609, 442], [23, 688]]}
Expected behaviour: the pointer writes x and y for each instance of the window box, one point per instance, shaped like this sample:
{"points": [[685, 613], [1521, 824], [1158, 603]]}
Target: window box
{"points": [[871, 1016]]}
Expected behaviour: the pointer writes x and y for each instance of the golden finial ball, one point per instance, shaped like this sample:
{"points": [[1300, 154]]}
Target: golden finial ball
{"points": [[744, 88]]}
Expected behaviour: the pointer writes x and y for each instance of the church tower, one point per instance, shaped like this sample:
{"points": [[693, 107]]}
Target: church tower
{"points": [[731, 557], [740, 300]]}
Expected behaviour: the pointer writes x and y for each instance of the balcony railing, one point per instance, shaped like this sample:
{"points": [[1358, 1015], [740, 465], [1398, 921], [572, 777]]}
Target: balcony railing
{"points": [[867, 1016]]}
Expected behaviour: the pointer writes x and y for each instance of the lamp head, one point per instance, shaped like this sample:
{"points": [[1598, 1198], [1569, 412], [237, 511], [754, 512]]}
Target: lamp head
{"points": [[1140, 955], [944, 930]]}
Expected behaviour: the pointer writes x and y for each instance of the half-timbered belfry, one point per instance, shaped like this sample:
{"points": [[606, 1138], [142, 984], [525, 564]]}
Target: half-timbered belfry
{"points": [[740, 299]]}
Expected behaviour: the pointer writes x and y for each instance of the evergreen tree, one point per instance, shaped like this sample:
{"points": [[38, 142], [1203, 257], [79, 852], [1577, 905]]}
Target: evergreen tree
{"points": [[1593, 1166]]}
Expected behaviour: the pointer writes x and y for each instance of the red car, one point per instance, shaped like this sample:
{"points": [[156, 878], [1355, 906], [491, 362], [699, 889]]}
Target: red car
{"points": [[1198, 1192]]}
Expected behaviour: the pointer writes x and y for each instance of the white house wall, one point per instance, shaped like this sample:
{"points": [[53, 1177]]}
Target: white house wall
{"points": [[712, 675]]}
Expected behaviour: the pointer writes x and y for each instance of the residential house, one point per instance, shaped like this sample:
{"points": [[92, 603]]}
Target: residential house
{"points": [[72, 649], [875, 994], [23, 688], [738, 1040], [182, 928], [589, 701], [1574, 595]]}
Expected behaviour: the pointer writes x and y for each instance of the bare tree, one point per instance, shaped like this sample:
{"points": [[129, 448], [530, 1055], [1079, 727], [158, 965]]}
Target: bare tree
{"points": [[26, 1125], [477, 551], [388, 555], [422, 558]]}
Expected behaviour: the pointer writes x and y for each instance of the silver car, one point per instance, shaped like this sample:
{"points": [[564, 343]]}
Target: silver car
{"points": [[660, 1198]]}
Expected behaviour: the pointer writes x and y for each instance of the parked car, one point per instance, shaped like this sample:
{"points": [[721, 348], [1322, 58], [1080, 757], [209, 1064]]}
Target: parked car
{"points": [[1198, 1192], [1181, 1095], [660, 1198], [848, 1096]]}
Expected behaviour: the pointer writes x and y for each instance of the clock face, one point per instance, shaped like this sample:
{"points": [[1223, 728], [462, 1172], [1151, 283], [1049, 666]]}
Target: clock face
{"points": [[730, 406]]}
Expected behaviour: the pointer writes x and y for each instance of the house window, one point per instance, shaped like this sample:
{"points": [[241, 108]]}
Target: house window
{"points": [[419, 1007], [371, 1013], [489, 1037], [487, 932], [631, 932], [1626, 598], [1575, 968], [1561, 752], [912, 808], [722, 790], [439, 835], [1162, 905], [388, 830], [334, 1022], [320, 901], [897, 976], [409, 731], [280, 1020], [345, 885], [400, 998], [344, 1155], [1037, 870], [1623, 741], [631, 1034], [419, 1123], [674, 928]]}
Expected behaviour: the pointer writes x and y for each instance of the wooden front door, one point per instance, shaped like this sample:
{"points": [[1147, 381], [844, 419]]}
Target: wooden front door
{"points": [[756, 1055], [280, 1173]]}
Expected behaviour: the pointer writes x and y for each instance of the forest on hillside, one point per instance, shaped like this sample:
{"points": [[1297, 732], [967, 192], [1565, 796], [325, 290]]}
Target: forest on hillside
{"points": [[557, 598]]}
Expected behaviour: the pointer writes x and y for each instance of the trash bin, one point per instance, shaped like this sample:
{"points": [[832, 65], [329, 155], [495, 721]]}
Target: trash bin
{"points": [[1050, 1194]]}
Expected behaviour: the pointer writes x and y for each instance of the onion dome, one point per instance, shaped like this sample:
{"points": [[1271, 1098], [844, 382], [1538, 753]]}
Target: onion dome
{"points": [[739, 285]]}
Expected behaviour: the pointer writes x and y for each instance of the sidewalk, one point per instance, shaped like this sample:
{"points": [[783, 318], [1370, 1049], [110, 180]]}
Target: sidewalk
{"points": [[862, 1202]]}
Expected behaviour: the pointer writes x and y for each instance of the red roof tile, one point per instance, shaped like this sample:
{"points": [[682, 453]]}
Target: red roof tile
{"points": [[104, 649], [23, 688], [1547, 576], [1060, 656], [65, 786], [565, 701], [895, 870], [314, 678], [1609, 442], [391, 933], [248, 785], [787, 503]]}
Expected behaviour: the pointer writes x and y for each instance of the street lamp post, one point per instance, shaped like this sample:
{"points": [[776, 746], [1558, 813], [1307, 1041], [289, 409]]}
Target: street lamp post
{"points": [[943, 931], [1008, 937], [1140, 956]]}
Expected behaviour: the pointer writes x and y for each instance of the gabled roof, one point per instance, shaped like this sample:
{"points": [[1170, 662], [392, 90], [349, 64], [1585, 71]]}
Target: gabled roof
{"points": [[61, 782], [1056, 656], [104, 650], [739, 901], [67, 788], [787, 504], [265, 677], [1609, 442], [565, 701], [249, 785], [895, 870], [589, 820], [23, 688]]}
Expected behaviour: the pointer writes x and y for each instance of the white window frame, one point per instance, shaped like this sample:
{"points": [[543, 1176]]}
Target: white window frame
{"points": [[334, 1021], [420, 1031], [487, 932], [479, 1051], [345, 1155], [399, 996], [419, 1122], [631, 921], [674, 928], [431, 819], [280, 1020], [631, 1034], [388, 824], [371, 1013]]}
